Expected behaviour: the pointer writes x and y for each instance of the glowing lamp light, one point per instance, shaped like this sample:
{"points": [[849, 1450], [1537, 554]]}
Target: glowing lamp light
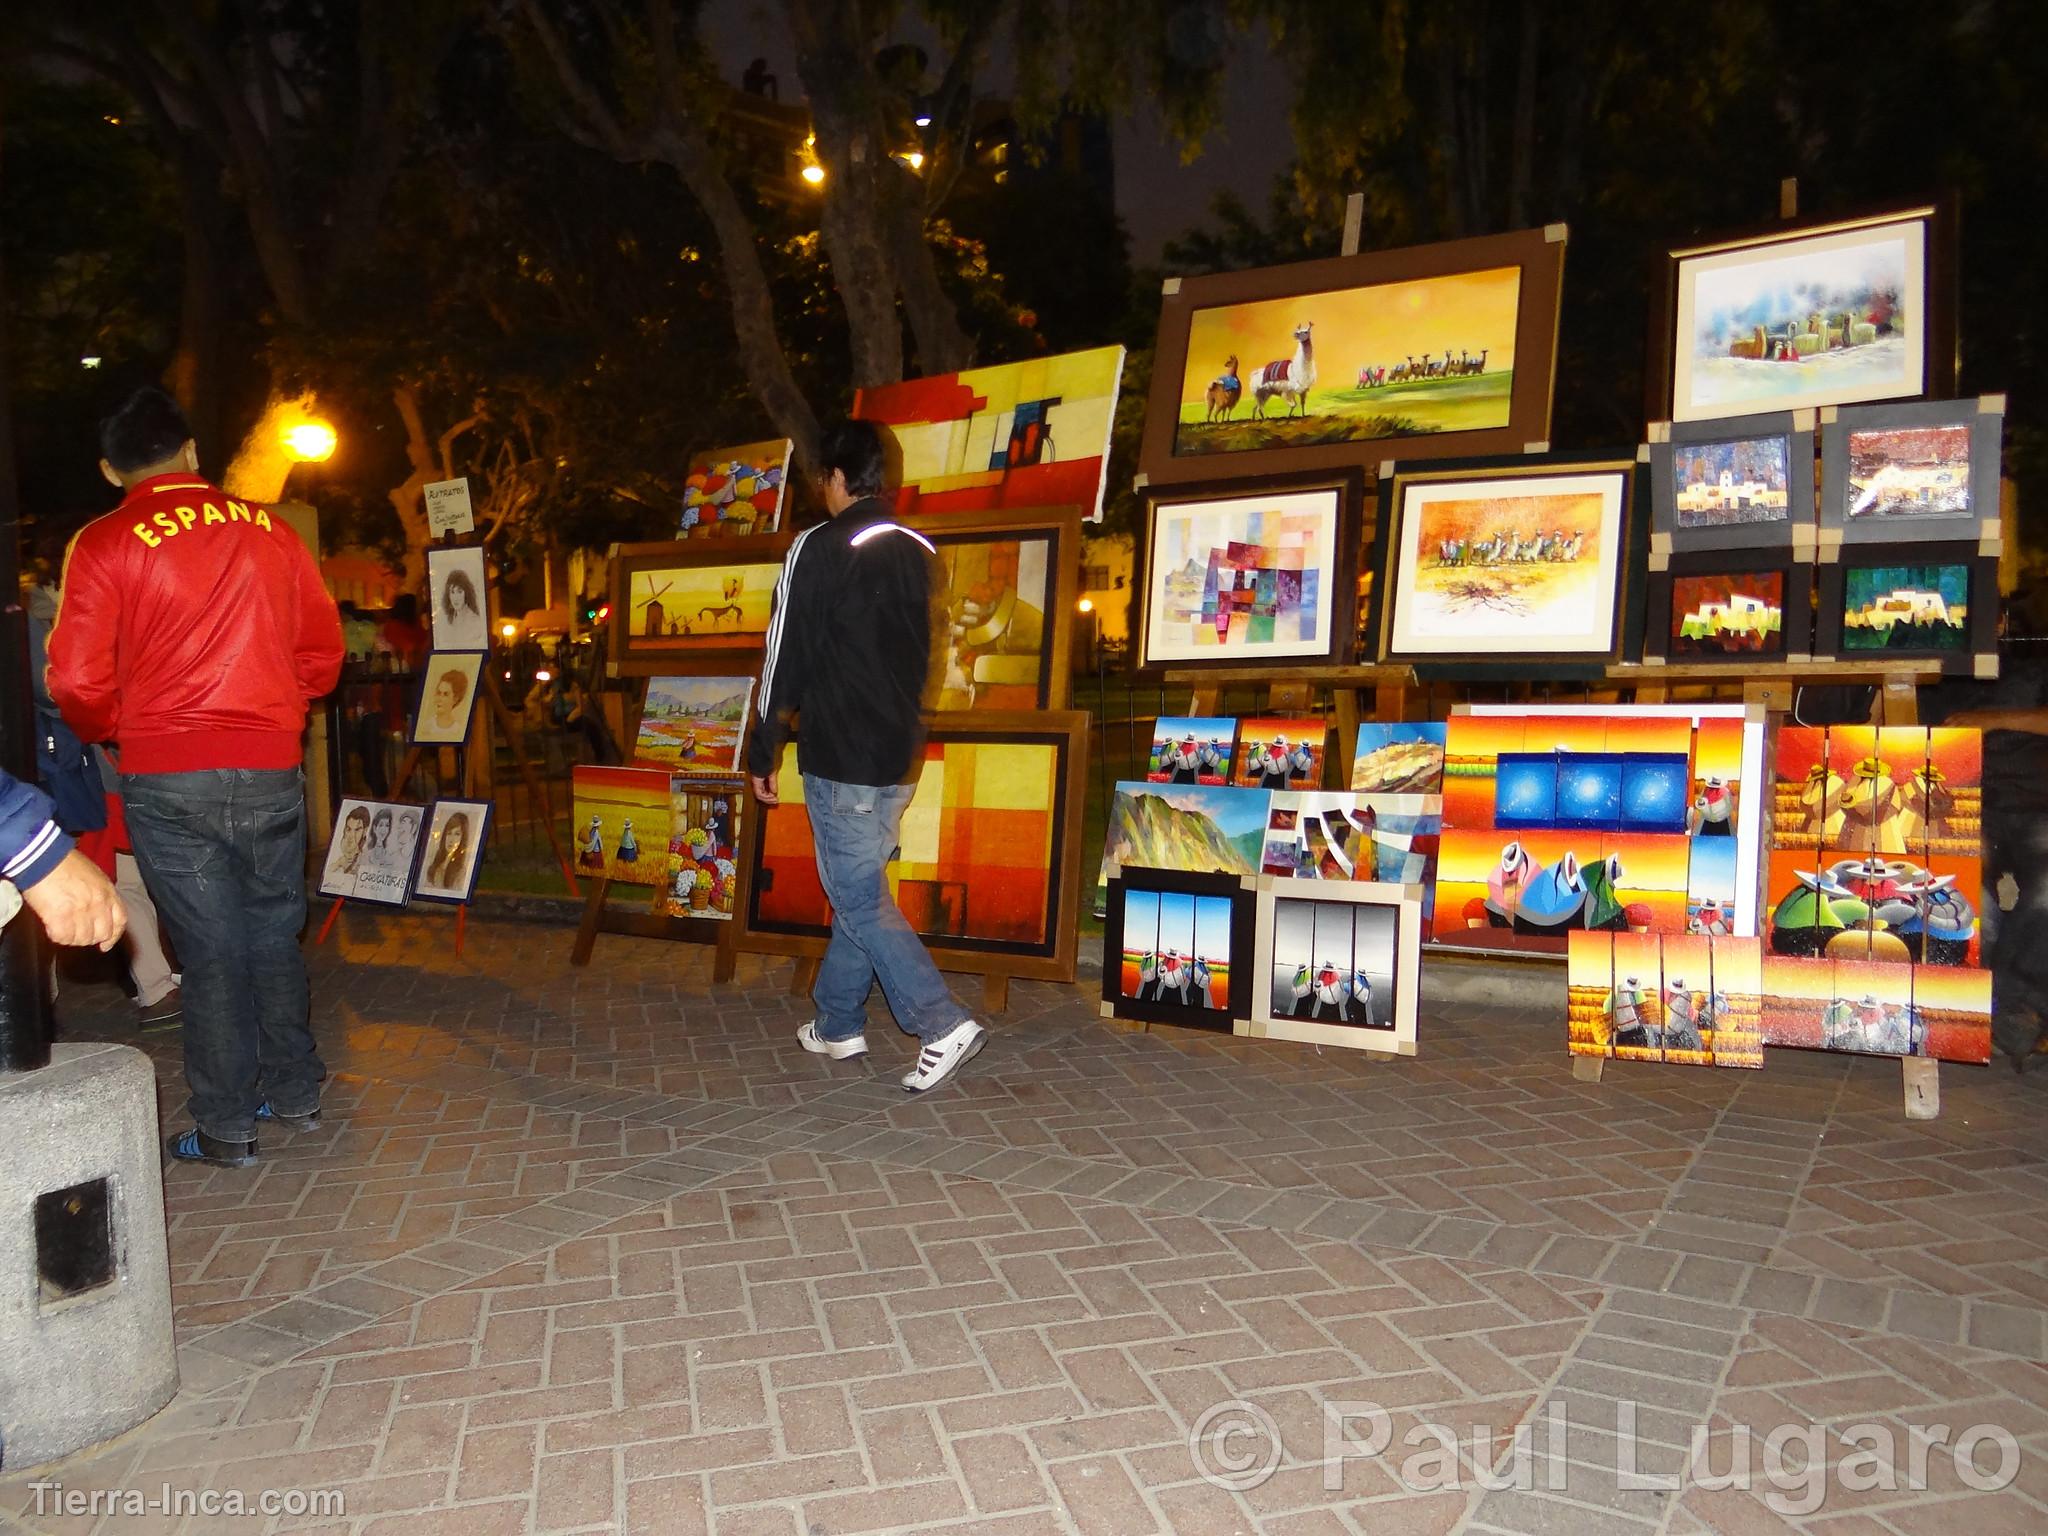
{"points": [[508, 629], [1086, 605], [310, 442], [89, 361], [604, 612], [543, 675], [914, 159], [814, 174], [923, 120]]}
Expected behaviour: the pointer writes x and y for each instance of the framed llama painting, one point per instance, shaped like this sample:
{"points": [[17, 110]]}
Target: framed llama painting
{"points": [[1354, 360]]}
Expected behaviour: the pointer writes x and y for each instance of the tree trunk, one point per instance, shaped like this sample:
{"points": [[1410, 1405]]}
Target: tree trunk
{"points": [[408, 497], [1523, 154], [942, 346], [193, 376]]}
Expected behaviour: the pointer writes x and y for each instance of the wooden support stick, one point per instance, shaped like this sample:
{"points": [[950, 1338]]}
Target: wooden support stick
{"points": [[1589, 1069], [995, 994], [803, 976], [1346, 701], [1923, 1087], [461, 925], [332, 913], [593, 915]]}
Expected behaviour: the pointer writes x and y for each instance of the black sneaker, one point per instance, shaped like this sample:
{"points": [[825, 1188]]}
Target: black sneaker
{"points": [[306, 1122], [165, 1013], [195, 1146]]}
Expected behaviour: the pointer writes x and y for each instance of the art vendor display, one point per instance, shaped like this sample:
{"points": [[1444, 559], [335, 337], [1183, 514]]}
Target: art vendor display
{"points": [[1925, 472], [1232, 577], [1353, 360], [455, 598], [1684, 998], [1008, 584], [1190, 750], [449, 681], [1618, 818], [693, 725], [989, 864], [621, 822], [371, 852], [690, 606], [1029, 434], [1803, 315], [1740, 484], [733, 493], [1338, 964], [453, 851], [1177, 948], [1522, 560]]}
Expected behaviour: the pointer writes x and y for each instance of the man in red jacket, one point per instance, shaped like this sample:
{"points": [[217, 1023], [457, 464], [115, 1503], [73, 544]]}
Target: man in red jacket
{"points": [[192, 632]]}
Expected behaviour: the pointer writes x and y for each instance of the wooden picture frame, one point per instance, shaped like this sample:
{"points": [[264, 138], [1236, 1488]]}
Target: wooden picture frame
{"points": [[1272, 955], [1050, 959], [1982, 420], [1536, 256], [756, 561], [1795, 607], [1129, 889], [1976, 657], [1342, 492], [1926, 236], [1606, 487], [1060, 529], [479, 832], [1721, 444]]}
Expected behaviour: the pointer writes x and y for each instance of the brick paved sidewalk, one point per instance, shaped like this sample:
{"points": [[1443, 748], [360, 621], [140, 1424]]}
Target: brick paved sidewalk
{"points": [[588, 1251]]}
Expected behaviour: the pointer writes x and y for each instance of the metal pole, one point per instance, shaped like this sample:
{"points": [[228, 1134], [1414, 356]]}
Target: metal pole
{"points": [[24, 982]]}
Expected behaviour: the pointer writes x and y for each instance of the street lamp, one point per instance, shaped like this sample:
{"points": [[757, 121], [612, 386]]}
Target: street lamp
{"points": [[509, 630], [309, 442], [814, 174]]}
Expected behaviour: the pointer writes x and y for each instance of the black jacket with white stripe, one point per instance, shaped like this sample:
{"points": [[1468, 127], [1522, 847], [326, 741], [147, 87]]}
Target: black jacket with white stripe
{"points": [[850, 648]]}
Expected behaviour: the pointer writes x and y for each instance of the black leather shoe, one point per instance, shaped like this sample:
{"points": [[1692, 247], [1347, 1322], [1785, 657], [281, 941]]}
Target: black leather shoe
{"points": [[195, 1146], [307, 1122]]}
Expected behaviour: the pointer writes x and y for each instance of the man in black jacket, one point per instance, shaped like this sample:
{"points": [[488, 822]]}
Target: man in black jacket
{"points": [[850, 647]]}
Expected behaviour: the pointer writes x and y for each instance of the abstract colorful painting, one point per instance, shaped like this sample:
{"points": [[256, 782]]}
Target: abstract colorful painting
{"points": [[693, 725], [1029, 434], [621, 823], [1191, 750], [1399, 758], [1490, 564], [1179, 948], [703, 849], [1407, 834], [1199, 828], [1728, 617], [1320, 835], [735, 492], [1906, 608], [998, 589], [1280, 753], [1821, 318], [1244, 578], [1742, 481], [1338, 964], [1433, 354]]}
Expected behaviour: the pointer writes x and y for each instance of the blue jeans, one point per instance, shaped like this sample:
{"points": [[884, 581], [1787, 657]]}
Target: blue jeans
{"points": [[224, 853], [853, 827]]}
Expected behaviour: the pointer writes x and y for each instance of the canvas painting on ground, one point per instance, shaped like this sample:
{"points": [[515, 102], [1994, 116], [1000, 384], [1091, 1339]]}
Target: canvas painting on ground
{"points": [[1506, 565], [459, 609], [693, 725], [371, 852], [1337, 964], [621, 822], [1953, 1008], [1407, 832], [1320, 835], [1029, 434], [701, 607], [1178, 948], [1589, 992], [447, 698], [703, 849], [1280, 753], [1916, 473], [1399, 758], [1191, 750], [1824, 319], [735, 492], [1199, 828], [996, 592], [1432, 354], [1245, 578], [1728, 617], [1742, 480], [1905, 608], [1738, 964], [453, 851]]}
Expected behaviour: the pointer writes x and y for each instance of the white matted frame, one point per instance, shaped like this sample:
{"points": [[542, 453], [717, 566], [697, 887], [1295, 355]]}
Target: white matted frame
{"points": [[1393, 1030], [459, 606], [452, 881]]}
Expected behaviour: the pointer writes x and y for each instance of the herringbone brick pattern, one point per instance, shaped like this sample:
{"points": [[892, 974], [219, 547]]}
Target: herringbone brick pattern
{"points": [[601, 1251]]}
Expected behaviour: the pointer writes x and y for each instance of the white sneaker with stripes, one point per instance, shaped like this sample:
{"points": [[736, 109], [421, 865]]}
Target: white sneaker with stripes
{"points": [[942, 1057]]}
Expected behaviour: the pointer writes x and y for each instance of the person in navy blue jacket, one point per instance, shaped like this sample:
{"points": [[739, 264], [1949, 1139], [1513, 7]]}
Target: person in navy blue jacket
{"points": [[58, 883]]}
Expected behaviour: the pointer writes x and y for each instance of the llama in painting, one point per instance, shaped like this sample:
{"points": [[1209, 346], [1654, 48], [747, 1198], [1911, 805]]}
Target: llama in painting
{"points": [[1224, 390], [1289, 378]]}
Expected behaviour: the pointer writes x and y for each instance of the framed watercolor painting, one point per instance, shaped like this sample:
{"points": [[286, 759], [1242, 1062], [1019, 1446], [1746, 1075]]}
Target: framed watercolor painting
{"points": [[1010, 583], [1029, 434], [989, 868], [735, 493], [1177, 948], [1353, 360], [1832, 312], [455, 593], [370, 855], [692, 606], [1748, 607], [1743, 483], [447, 697], [1923, 602], [693, 725], [1337, 964], [1894, 474], [453, 851], [1518, 559], [1233, 577]]}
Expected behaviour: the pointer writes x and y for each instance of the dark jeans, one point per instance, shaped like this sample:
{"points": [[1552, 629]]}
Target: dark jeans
{"points": [[224, 852]]}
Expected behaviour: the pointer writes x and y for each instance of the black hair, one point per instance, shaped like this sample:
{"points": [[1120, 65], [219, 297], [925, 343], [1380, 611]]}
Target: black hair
{"points": [[458, 579], [855, 449], [144, 429], [405, 608]]}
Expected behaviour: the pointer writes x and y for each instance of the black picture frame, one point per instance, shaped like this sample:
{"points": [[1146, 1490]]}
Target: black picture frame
{"points": [[1242, 893], [479, 834], [1796, 606], [1978, 658]]}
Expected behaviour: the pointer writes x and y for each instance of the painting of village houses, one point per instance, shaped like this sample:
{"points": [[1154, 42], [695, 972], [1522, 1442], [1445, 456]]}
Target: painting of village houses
{"points": [[1734, 482], [1733, 615], [1906, 607], [1916, 472]]}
